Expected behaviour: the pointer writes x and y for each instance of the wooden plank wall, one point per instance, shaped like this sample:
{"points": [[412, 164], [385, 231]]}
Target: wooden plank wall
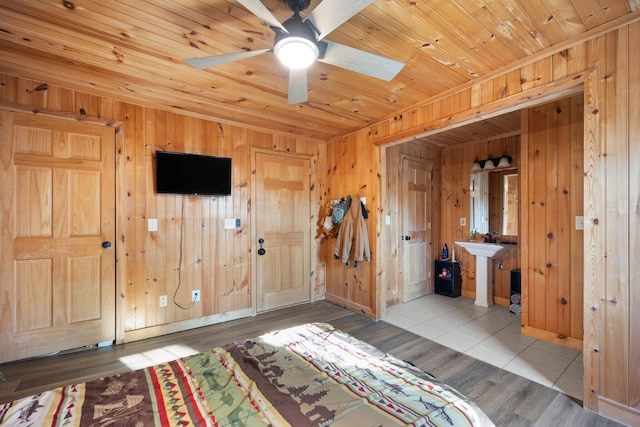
{"points": [[617, 221], [606, 67], [214, 260], [456, 180], [352, 173], [630, 211], [552, 193]]}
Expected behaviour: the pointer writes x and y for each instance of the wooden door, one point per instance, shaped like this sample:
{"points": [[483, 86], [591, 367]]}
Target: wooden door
{"points": [[56, 209], [416, 215], [283, 222]]}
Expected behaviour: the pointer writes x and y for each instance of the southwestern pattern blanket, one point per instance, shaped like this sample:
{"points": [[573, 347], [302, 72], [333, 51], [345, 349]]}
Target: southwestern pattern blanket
{"points": [[309, 375]]}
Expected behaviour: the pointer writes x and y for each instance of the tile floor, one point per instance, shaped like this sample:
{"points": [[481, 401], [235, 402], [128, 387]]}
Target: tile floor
{"points": [[492, 335]]}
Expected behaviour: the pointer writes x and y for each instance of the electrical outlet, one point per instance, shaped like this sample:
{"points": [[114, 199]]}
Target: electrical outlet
{"points": [[195, 296], [163, 300]]}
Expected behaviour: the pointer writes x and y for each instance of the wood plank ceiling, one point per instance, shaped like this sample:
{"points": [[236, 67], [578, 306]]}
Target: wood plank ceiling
{"points": [[134, 51]]}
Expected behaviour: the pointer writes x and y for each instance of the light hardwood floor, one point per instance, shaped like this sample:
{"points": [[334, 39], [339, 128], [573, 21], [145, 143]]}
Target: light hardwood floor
{"points": [[508, 399]]}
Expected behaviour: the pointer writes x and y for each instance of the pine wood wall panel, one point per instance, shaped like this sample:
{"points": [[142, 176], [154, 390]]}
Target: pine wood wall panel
{"points": [[616, 303], [593, 242], [352, 170], [577, 268], [554, 157], [634, 214], [214, 260]]}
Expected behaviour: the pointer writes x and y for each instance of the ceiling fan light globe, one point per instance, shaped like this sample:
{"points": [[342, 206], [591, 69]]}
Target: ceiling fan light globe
{"points": [[296, 52]]}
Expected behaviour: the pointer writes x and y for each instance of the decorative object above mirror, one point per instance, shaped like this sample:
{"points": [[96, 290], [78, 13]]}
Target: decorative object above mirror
{"points": [[503, 161], [494, 197]]}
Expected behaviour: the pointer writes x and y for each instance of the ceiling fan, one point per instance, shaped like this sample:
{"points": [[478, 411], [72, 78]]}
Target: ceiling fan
{"points": [[299, 42]]}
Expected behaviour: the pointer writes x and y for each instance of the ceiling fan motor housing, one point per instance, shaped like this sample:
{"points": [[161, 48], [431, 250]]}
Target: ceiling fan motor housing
{"points": [[298, 5], [296, 28]]}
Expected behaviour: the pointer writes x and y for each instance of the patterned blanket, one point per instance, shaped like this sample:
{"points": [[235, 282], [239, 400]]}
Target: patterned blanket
{"points": [[309, 375]]}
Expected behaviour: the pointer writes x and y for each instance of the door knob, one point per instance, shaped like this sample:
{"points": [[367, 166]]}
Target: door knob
{"points": [[106, 245], [261, 251], [405, 237]]}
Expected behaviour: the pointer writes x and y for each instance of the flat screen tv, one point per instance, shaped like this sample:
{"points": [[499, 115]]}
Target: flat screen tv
{"points": [[182, 173]]}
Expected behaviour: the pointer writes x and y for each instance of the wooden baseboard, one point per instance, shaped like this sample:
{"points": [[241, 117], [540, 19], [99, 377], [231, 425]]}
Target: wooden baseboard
{"points": [[156, 331], [365, 311], [618, 412], [552, 337], [505, 302], [469, 294]]}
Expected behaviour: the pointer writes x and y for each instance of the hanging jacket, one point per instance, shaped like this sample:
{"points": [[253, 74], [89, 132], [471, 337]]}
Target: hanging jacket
{"points": [[353, 236]]}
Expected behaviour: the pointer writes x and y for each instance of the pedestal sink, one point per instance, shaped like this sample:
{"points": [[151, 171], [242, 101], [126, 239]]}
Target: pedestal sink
{"points": [[483, 252]]}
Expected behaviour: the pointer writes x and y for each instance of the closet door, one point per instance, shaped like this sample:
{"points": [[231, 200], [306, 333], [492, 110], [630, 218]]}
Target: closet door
{"points": [[283, 230], [57, 216], [416, 242]]}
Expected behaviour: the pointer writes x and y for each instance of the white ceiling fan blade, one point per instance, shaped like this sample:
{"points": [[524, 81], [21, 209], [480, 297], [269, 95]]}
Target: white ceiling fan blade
{"points": [[360, 61], [297, 85], [257, 8], [330, 14], [212, 61]]}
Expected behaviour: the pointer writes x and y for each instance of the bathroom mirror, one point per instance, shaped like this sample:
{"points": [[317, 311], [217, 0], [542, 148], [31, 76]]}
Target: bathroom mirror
{"points": [[494, 202]]}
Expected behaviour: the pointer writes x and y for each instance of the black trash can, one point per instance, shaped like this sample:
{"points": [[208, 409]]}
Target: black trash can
{"points": [[515, 286]]}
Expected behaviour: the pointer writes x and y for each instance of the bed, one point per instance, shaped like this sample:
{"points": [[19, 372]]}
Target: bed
{"points": [[308, 375]]}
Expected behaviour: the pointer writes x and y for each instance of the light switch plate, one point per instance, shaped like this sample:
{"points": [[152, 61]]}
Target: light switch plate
{"points": [[229, 223], [579, 223], [152, 224], [387, 219], [463, 222]]}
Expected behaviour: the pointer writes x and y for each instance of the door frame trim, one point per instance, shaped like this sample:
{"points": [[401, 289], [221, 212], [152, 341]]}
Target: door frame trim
{"points": [[594, 237], [313, 257]]}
